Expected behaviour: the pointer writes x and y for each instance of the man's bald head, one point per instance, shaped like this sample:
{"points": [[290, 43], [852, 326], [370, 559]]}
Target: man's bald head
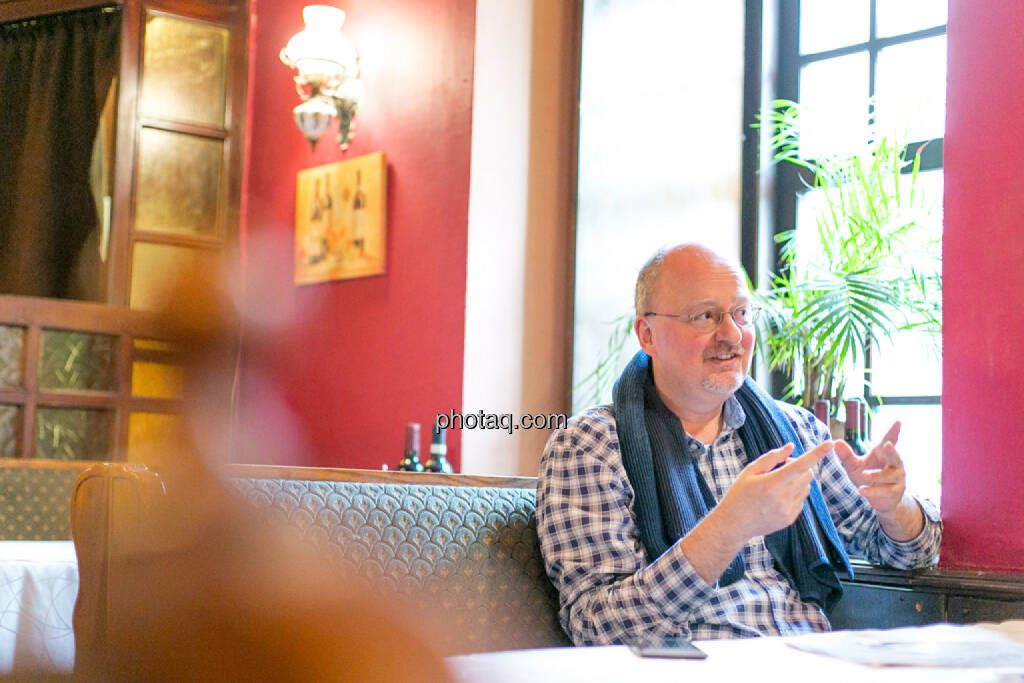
{"points": [[686, 256]]}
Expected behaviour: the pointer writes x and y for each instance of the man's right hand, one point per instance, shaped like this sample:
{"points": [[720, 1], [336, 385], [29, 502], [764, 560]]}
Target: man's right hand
{"points": [[767, 496]]}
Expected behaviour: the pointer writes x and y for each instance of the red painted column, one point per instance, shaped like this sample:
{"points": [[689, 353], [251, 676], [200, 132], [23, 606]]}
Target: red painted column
{"points": [[983, 264]]}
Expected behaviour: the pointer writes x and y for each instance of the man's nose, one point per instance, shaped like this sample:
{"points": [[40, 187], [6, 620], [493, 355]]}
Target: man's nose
{"points": [[728, 330]]}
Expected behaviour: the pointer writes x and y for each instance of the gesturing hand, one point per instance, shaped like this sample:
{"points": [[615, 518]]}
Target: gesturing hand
{"points": [[879, 475], [766, 497]]}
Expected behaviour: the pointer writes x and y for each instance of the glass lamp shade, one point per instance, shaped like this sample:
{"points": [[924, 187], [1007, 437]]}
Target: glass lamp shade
{"points": [[313, 117], [319, 52]]}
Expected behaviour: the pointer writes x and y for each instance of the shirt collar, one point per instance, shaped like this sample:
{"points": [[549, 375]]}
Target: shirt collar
{"points": [[733, 416]]}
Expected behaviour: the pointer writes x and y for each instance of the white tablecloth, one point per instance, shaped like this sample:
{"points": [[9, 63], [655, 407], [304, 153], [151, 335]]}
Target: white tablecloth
{"points": [[38, 587], [751, 659]]}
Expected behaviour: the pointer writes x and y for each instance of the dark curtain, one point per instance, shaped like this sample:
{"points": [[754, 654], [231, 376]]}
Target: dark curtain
{"points": [[55, 72]]}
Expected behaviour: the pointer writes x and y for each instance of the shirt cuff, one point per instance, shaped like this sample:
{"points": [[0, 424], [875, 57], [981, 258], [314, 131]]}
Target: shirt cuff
{"points": [[925, 538], [672, 582]]}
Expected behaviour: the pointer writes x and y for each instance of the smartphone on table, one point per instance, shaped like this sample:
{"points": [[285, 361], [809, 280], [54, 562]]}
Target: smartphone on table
{"points": [[672, 648]]}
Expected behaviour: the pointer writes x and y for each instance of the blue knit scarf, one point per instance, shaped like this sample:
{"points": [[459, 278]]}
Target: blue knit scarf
{"points": [[671, 496]]}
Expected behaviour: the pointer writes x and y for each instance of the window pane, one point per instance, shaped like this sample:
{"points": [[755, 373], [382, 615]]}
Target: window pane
{"points": [[12, 340], [912, 366], [638, 192], [74, 433], [154, 439], [10, 420], [156, 380], [75, 360], [179, 183], [909, 365], [920, 444], [906, 369], [903, 16], [184, 69], [154, 266], [834, 105], [827, 24], [910, 89], [154, 345]]}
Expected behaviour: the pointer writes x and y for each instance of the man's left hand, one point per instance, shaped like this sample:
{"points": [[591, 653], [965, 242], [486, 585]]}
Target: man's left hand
{"points": [[881, 478], [879, 475]]}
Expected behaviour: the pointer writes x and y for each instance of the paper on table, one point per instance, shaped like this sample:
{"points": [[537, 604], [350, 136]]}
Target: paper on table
{"points": [[938, 645]]}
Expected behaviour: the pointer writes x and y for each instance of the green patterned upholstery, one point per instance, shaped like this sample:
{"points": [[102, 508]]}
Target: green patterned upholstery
{"points": [[468, 552], [35, 501]]}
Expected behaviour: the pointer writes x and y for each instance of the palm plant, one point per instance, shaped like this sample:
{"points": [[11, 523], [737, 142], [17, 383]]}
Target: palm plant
{"points": [[595, 387], [869, 273]]}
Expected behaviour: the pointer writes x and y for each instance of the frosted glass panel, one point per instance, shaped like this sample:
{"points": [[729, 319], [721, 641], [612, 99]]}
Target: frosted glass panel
{"points": [[152, 429], [184, 70], [827, 24], [910, 89], [12, 340], [74, 433], [10, 419], [834, 105], [154, 266], [75, 360], [156, 380], [154, 439], [179, 183]]}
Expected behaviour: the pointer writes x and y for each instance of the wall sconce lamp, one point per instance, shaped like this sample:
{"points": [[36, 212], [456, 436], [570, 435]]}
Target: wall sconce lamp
{"points": [[328, 74]]}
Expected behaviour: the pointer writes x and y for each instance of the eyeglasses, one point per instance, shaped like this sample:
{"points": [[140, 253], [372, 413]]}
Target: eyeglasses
{"points": [[709, 319]]}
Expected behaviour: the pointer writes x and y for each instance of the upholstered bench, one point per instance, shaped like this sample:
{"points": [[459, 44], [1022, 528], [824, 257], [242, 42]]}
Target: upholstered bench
{"points": [[461, 548]]}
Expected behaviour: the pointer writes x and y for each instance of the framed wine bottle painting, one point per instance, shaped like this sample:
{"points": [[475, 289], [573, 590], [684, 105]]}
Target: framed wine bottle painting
{"points": [[340, 222]]}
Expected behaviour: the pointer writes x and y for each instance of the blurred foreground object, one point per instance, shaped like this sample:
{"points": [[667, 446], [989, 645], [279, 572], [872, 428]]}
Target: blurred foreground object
{"points": [[174, 591], [180, 580]]}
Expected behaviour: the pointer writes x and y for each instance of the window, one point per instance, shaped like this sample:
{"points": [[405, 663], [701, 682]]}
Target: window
{"points": [[840, 60], [661, 94], [90, 379]]}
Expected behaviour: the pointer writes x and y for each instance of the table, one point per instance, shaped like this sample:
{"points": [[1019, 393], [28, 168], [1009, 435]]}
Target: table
{"points": [[754, 659], [38, 587]]}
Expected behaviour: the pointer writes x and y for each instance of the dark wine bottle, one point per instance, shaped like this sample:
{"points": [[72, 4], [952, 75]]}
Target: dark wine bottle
{"points": [[865, 430], [410, 462], [821, 410], [852, 433], [438, 452]]}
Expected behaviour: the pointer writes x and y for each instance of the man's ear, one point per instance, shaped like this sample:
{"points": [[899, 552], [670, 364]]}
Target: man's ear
{"points": [[645, 335]]}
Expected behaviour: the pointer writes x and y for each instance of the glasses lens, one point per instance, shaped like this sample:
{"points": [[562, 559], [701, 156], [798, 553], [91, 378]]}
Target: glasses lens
{"points": [[705, 320], [745, 316]]}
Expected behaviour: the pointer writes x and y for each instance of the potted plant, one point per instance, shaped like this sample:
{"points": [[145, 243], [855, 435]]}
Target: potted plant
{"points": [[871, 272]]}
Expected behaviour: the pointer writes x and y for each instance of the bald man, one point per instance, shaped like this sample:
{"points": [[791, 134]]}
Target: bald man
{"points": [[698, 506]]}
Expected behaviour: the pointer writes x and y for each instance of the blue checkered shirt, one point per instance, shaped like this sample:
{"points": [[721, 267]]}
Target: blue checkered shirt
{"points": [[610, 590]]}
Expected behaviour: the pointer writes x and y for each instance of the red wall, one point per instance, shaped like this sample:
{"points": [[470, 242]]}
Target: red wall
{"points": [[373, 353], [983, 373]]}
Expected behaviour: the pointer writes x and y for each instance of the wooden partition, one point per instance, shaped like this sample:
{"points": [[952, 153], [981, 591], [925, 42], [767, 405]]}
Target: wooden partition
{"points": [[379, 476], [110, 502]]}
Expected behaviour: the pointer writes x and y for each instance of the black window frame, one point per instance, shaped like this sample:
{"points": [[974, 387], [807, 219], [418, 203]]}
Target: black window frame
{"points": [[788, 183]]}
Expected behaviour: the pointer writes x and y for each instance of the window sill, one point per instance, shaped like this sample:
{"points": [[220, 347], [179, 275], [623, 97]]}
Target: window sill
{"points": [[933, 579]]}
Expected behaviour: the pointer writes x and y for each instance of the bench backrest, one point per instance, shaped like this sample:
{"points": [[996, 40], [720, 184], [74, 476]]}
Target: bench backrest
{"points": [[35, 498], [463, 546]]}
